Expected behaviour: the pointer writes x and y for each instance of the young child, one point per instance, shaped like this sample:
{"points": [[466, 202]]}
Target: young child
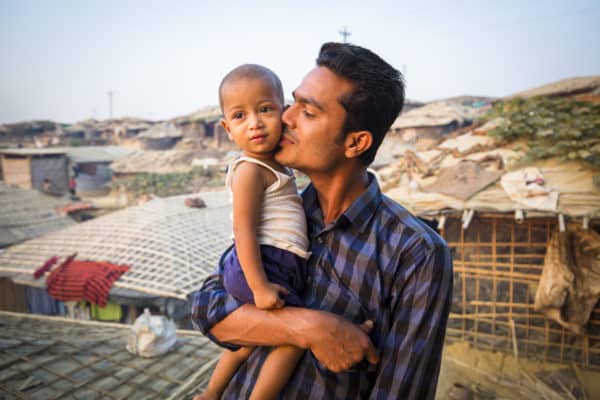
{"points": [[267, 265]]}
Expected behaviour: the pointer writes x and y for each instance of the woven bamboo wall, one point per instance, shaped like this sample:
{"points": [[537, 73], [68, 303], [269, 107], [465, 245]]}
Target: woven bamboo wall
{"points": [[497, 266]]}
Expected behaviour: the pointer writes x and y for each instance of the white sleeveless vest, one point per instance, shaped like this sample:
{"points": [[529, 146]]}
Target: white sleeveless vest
{"points": [[282, 222]]}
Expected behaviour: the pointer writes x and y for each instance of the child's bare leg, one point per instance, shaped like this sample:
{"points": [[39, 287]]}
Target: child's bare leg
{"points": [[275, 372], [228, 363]]}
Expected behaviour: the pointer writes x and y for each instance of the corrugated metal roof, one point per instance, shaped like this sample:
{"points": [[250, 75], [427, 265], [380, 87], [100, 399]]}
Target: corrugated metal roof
{"points": [[35, 152], [97, 153], [77, 154]]}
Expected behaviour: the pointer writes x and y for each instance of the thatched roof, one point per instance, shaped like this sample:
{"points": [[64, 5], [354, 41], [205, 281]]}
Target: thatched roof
{"points": [[169, 247], [578, 196], [161, 131], [155, 161], [565, 87], [439, 113], [26, 214], [207, 114], [49, 358]]}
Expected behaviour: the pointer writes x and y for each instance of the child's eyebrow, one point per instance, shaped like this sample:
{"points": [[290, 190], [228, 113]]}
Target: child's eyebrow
{"points": [[307, 100]]}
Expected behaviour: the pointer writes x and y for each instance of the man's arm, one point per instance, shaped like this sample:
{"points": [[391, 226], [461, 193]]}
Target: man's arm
{"points": [[335, 342], [412, 349]]}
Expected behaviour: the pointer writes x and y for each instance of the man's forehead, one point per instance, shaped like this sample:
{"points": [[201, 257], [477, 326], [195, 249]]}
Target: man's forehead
{"points": [[322, 84]]}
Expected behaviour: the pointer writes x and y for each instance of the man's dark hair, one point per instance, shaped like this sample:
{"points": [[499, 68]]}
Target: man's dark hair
{"points": [[377, 95], [252, 71]]}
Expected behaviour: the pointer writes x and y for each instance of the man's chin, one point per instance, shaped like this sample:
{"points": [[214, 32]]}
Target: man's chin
{"points": [[282, 155]]}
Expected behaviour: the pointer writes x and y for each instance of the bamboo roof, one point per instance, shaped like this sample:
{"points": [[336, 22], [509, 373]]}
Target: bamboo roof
{"points": [[170, 248], [26, 214], [57, 358]]}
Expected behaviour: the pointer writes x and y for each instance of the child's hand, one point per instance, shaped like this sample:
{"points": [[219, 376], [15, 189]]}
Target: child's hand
{"points": [[267, 297]]}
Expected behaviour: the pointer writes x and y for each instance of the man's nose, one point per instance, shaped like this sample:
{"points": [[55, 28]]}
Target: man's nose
{"points": [[287, 116]]}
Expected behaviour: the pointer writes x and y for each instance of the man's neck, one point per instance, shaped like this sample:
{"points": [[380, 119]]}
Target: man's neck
{"points": [[337, 191]]}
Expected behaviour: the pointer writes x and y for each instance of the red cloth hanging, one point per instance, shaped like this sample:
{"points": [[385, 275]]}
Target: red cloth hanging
{"points": [[84, 280]]}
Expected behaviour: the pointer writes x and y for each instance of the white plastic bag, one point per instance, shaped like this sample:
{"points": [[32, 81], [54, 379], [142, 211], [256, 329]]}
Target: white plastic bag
{"points": [[151, 335]]}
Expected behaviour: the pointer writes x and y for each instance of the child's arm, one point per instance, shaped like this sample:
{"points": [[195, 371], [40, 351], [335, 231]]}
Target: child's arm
{"points": [[248, 185]]}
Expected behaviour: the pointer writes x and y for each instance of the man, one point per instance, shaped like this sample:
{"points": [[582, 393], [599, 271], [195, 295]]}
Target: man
{"points": [[380, 281]]}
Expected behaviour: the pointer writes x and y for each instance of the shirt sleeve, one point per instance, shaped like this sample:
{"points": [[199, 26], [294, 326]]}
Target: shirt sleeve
{"points": [[212, 303], [411, 352]]}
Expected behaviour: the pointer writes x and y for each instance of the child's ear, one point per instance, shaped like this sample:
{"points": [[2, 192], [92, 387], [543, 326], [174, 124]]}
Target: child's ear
{"points": [[225, 126], [357, 143]]}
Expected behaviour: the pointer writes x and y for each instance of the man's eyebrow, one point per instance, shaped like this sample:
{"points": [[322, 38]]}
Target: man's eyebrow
{"points": [[307, 100]]}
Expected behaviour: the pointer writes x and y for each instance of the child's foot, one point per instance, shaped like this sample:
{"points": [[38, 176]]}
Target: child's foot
{"points": [[206, 396]]}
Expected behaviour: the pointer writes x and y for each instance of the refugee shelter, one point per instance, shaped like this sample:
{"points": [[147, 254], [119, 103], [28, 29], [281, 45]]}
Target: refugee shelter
{"points": [[423, 125], [57, 358], [91, 165], [512, 224], [160, 136], [167, 248], [28, 168]]}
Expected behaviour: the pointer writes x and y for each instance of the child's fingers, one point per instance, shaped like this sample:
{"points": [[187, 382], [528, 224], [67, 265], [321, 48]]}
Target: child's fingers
{"points": [[282, 290]]}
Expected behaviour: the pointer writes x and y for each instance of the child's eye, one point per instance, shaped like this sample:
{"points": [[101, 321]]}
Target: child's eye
{"points": [[237, 115], [265, 109]]}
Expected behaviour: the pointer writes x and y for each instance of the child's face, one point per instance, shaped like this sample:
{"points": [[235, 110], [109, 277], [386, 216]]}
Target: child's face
{"points": [[252, 115]]}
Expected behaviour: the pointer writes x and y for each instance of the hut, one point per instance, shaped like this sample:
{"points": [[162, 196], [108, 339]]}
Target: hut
{"points": [[423, 125], [169, 248], [90, 165], [28, 168], [160, 137], [49, 357], [505, 217]]}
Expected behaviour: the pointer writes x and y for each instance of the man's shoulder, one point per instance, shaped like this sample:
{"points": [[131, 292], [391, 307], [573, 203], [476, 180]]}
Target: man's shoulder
{"points": [[414, 229]]}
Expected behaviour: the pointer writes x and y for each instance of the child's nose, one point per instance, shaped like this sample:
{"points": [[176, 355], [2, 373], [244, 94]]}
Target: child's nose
{"points": [[255, 121]]}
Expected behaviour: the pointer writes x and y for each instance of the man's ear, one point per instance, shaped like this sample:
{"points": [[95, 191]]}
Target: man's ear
{"points": [[357, 143], [225, 126]]}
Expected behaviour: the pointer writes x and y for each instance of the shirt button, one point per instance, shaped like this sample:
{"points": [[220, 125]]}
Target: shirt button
{"points": [[320, 240]]}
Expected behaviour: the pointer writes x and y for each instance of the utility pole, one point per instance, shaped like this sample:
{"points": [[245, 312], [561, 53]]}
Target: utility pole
{"points": [[110, 104], [345, 33]]}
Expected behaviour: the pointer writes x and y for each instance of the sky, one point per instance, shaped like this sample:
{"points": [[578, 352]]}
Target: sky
{"points": [[163, 59]]}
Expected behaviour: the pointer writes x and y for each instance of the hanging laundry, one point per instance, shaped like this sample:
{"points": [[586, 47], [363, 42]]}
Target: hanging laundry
{"points": [[46, 267], [110, 312], [39, 302], [84, 280]]}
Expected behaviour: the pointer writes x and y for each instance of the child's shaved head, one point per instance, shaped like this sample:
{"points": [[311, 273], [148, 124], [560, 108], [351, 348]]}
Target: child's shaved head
{"points": [[252, 71]]}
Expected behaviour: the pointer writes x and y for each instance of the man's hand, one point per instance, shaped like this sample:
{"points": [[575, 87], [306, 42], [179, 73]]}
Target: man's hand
{"points": [[341, 344], [267, 296]]}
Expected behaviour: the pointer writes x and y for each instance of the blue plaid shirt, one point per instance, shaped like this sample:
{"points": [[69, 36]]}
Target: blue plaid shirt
{"points": [[377, 262]]}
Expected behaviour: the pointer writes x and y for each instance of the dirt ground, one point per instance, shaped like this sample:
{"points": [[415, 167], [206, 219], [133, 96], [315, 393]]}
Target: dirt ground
{"points": [[496, 375]]}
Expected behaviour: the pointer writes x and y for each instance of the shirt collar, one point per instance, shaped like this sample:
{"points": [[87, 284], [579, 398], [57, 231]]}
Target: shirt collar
{"points": [[359, 214]]}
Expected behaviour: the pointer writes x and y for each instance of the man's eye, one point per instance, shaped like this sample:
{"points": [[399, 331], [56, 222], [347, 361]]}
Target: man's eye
{"points": [[308, 114]]}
